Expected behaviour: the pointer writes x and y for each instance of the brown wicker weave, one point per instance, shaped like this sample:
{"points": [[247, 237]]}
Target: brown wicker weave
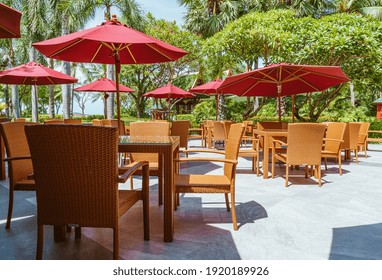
{"points": [[332, 142], [76, 174], [72, 121], [219, 132], [303, 148], [154, 129], [351, 139], [18, 158], [362, 138], [181, 129], [198, 183]]}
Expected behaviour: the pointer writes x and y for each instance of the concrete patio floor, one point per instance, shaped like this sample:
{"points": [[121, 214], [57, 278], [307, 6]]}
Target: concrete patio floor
{"points": [[342, 220]]}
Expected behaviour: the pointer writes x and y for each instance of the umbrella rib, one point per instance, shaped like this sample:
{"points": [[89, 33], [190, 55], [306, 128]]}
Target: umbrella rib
{"points": [[67, 47], [152, 47], [8, 30]]}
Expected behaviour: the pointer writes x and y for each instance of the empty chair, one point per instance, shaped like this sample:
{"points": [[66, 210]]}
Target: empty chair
{"points": [[351, 137], [153, 129], [19, 162], [362, 138], [224, 183], [20, 120], [72, 121], [53, 121], [219, 132], [180, 128], [332, 142], [76, 174], [304, 147], [97, 122]]}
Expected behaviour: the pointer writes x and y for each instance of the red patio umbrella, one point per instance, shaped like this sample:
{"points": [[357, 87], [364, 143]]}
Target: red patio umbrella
{"points": [[9, 22], [169, 91], [110, 43], [104, 85], [34, 74], [283, 79], [210, 88]]}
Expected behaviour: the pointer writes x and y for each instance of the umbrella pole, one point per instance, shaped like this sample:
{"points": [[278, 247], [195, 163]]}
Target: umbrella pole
{"points": [[217, 106], [279, 105], [117, 92]]}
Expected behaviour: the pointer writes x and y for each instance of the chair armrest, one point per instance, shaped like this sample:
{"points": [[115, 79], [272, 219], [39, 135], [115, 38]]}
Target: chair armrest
{"points": [[279, 142], [17, 158], [125, 172], [206, 159]]}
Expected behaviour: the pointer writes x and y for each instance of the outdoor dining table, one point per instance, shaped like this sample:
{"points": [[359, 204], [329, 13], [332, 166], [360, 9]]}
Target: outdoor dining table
{"points": [[166, 147], [268, 135]]}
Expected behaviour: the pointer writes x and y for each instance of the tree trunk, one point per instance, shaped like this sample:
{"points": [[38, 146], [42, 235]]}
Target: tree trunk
{"points": [[66, 89], [6, 97], [15, 102], [110, 100], [221, 107], [352, 96], [32, 57], [51, 93]]}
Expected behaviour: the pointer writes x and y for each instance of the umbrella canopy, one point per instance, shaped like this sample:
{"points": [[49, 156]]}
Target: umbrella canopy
{"points": [[169, 91], [110, 43], [283, 79], [34, 74], [104, 85], [210, 88], [9, 22]]}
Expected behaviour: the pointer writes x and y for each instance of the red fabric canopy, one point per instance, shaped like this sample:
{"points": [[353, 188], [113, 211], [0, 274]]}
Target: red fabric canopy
{"points": [[104, 85], [169, 91], [9, 22], [283, 79], [209, 88], [33, 73]]}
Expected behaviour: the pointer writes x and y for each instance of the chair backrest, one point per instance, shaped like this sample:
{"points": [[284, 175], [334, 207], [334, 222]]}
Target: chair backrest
{"points": [[53, 121], [351, 135], [20, 120], [363, 132], [305, 143], [227, 126], [148, 129], [248, 127], [76, 174], [180, 128], [97, 122], [271, 125], [72, 121], [106, 122], [219, 131], [16, 145], [334, 130], [232, 148]]}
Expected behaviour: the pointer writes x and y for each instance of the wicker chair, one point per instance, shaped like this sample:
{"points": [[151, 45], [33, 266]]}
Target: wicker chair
{"points": [[72, 121], [200, 183], [332, 143], [180, 128], [53, 121], [219, 132], [207, 125], [19, 163], [76, 174], [351, 137], [97, 122], [155, 161], [20, 120], [362, 138], [304, 147]]}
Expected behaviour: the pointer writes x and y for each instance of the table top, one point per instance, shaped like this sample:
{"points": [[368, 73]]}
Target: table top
{"points": [[144, 140]]}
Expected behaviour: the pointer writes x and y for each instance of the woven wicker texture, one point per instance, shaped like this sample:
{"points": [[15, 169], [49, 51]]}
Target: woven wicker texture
{"points": [[304, 147], [196, 183], [333, 141], [150, 129], [219, 132], [72, 121], [18, 169], [180, 128], [362, 138], [76, 174], [351, 137]]}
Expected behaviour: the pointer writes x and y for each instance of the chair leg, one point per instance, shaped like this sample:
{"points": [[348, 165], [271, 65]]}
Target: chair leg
{"points": [[77, 232], [234, 220], [131, 183], [160, 190], [286, 175], [116, 243], [326, 163], [306, 171], [319, 175], [227, 202], [40, 241], [340, 164], [273, 166], [10, 209]]}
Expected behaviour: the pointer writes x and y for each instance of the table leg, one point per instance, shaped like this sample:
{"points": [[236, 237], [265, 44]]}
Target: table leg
{"points": [[59, 233], [168, 207]]}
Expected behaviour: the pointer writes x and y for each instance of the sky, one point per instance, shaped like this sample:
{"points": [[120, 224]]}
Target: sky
{"points": [[161, 9]]}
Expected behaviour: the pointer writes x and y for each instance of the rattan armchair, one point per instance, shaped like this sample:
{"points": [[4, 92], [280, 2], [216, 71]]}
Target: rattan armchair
{"points": [[181, 128], [219, 132], [351, 137], [76, 174], [362, 138], [155, 161], [225, 183], [97, 122], [304, 147], [19, 164], [73, 121], [333, 140]]}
